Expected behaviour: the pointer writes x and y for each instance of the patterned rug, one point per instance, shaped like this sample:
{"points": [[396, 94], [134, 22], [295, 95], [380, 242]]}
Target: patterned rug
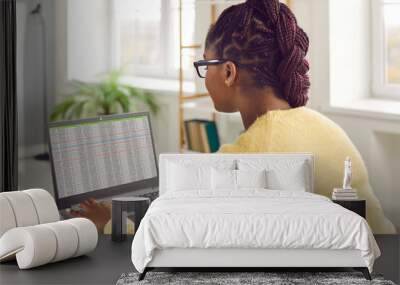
{"points": [[243, 278]]}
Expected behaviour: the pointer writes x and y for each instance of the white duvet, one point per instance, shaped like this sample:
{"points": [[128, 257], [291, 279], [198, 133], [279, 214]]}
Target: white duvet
{"points": [[253, 218]]}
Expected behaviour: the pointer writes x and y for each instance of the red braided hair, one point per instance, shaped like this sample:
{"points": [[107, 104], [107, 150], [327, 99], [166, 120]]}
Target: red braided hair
{"points": [[265, 34]]}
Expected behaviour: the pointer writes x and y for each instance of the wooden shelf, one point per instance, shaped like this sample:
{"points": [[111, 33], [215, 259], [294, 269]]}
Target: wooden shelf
{"points": [[185, 150], [191, 46], [196, 96]]}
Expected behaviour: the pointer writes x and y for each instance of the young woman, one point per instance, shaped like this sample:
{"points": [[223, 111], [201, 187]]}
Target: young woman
{"points": [[254, 63]]}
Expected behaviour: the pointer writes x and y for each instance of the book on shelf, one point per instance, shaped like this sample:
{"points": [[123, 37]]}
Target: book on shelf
{"points": [[345, 198], [194, 136], [341, 190], [344, 194], [201, 135], [204, 138]]}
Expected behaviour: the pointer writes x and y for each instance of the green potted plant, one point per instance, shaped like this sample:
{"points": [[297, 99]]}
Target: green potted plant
{"points": [[103, 98]]}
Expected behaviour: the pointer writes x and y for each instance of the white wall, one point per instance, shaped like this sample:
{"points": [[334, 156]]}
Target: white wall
{"points": [[35, 85], [60, 51], [88, 40], [33, 60], [350, 50], [77, 47], [379, 145], [82, 42], [340, 59]]}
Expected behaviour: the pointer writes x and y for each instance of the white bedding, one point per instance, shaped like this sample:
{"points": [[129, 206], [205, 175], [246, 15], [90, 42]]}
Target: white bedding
{"points": [[251, 218]]}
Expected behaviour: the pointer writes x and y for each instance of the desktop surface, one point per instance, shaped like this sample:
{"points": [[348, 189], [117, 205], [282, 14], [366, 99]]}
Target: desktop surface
{"points": [[102, 266]]}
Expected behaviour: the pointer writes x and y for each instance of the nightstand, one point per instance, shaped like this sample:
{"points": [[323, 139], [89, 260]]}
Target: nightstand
{"points": [[357, 206]]}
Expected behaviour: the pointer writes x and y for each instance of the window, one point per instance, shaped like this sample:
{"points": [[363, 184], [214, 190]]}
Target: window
{"points": [[386, 48], [145, 37]]}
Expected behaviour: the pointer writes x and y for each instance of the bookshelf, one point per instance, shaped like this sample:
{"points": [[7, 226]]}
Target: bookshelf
{"points": [[183, 98]]}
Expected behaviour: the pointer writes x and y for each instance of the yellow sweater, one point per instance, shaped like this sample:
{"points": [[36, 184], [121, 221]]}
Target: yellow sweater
{"points": [[304, 130]]}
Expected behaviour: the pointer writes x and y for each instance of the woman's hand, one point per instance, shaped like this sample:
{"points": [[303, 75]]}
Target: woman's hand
{"points": [[98, 213]]}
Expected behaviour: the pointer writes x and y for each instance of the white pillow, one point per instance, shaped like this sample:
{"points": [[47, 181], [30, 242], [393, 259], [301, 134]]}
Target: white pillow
{"points": [[229, 179], [251, 178], [293, 179], [282, 174], [182, 177], [223, 179]]}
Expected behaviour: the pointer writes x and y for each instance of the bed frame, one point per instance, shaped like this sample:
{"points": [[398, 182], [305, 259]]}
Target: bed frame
{"points": [[248, 259]]}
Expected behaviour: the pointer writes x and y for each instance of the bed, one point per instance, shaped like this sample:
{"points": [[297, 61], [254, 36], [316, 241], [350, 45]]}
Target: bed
{"points": [[247, 211]]}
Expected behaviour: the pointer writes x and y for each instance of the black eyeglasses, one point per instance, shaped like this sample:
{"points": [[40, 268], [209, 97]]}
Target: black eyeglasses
{"points": [[201, 65]]}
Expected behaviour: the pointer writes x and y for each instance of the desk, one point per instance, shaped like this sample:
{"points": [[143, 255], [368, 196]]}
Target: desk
{"points": [[111, 259]]}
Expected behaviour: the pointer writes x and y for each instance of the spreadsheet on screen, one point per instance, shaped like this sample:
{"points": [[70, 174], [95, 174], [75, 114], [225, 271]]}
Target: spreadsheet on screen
{"points": [[88, 156]]}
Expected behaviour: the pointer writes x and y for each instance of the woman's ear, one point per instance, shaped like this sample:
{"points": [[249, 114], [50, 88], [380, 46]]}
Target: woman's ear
{"points": [[230, 73]]}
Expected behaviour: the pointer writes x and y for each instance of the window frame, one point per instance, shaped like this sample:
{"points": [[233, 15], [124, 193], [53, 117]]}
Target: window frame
{"points": [[380, 88], [159, 71]]}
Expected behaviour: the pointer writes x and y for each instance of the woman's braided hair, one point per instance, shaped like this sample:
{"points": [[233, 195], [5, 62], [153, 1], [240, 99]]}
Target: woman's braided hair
{"points": [[265, 34]]}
